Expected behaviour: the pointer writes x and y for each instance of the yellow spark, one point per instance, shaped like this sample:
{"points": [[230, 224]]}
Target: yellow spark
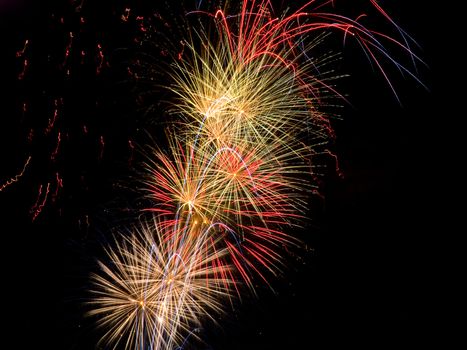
{"points": [[16, 177]]}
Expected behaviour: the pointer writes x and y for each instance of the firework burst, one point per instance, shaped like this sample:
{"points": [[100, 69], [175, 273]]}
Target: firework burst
{"points": [[248, 121], [155, 290]]}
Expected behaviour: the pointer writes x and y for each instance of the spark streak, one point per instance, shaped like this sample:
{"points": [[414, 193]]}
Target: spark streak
{"points": [[16, 177]]}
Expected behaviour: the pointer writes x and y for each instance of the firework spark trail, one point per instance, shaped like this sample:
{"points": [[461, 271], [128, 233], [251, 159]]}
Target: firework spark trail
{"points": [[38, 206], [16, 177], [235, 177]]}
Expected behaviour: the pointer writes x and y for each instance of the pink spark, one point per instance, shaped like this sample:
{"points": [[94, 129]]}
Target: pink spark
{"points": [[23, 50], [55, 152], [37, 208], [25, 67], [52, 120], [68, 48], [59, 185], [100, 58], [101, 147], [338, 170], [132, 149]]}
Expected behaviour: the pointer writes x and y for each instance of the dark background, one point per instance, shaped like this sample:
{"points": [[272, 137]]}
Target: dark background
{"points": [[375, 273]]}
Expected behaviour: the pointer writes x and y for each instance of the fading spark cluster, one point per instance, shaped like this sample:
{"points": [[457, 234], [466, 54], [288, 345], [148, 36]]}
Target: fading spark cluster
{"points": [[47, 66], [236, 176]]}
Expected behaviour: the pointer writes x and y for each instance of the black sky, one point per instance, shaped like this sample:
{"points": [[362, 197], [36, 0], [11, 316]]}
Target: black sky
{"points": [[373, 275]]}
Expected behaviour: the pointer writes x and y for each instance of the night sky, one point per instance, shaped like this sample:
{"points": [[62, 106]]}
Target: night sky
{"points": [[369, 272]]}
